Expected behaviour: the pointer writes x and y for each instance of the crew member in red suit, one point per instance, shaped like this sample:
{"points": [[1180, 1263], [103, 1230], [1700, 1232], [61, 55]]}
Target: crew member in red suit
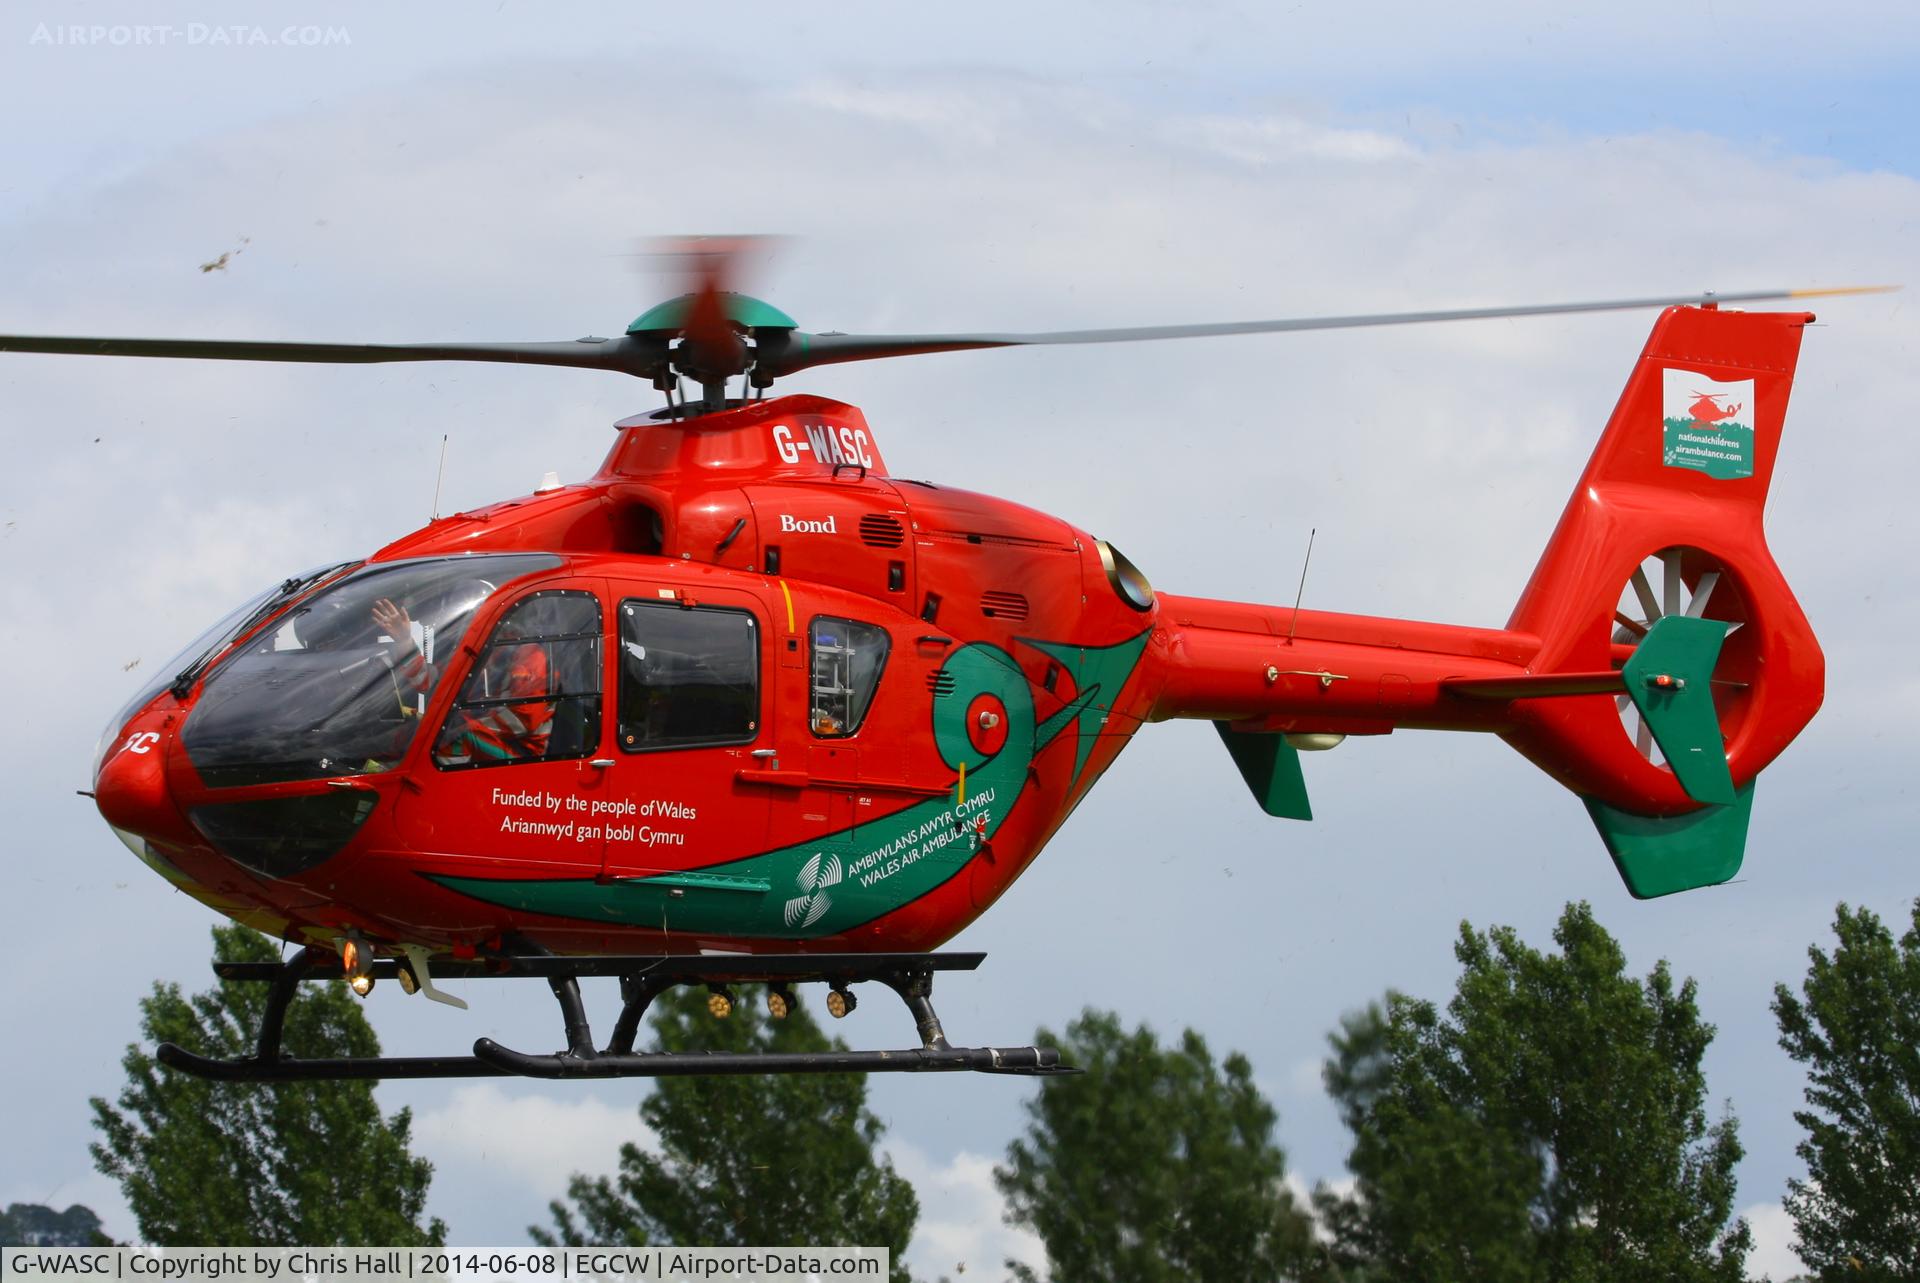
{"points": [[504, 715]]}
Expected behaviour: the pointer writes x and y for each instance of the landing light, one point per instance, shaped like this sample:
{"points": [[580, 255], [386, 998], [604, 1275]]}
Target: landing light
{"points": [[840, 1001], [719, 1002], [357, 961], [779, 1001]]}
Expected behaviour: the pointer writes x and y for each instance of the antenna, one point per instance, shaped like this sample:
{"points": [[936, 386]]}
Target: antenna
{"points": [[441, 476], [1303, 584]]}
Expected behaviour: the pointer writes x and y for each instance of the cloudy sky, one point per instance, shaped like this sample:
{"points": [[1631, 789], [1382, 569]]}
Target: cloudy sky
{"points": [[475, 172]]}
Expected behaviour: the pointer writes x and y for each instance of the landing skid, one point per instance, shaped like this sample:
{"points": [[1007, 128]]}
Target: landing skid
{"points": [[642, 979]]}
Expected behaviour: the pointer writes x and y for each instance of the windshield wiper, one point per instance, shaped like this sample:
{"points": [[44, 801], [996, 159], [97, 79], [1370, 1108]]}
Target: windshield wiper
{"points": [[289, 589]]}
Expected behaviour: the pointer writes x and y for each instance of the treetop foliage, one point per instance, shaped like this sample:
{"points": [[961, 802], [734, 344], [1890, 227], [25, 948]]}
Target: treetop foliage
{"points": [[36, 1225], [1157, 1164], [1857, 1029], [249, 1164], [747, 1160], [1550, 1124]]}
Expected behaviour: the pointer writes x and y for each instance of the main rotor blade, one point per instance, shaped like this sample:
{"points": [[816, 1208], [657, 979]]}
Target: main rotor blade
{"points": [[626, 354], [803, 351]]}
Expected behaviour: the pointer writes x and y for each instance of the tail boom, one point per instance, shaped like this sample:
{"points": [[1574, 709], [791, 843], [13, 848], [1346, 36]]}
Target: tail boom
{"points": [[1268, 669]]}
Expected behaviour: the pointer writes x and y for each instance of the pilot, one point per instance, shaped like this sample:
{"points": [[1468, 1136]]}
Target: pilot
{"points": [[490, 725], [444, 613], [411, 654]]}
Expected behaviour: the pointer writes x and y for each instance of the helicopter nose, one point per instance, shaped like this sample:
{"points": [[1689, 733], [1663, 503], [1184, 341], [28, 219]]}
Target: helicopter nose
{"points": [[131, 787]]}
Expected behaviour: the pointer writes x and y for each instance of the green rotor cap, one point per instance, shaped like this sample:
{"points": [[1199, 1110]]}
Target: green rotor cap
{"points": [[742, 309]]}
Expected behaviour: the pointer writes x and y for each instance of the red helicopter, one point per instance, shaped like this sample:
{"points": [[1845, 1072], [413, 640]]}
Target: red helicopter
{"points": [[744, 707]]}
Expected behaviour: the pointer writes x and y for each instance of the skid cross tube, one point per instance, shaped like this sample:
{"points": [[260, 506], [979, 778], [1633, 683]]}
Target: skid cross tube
{"points": [[643, 978]]}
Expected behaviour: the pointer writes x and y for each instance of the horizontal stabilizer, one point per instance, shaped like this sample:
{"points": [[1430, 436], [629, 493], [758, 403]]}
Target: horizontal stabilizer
{"points": [[1271, 768], [1660, 854], [1669, 680]]}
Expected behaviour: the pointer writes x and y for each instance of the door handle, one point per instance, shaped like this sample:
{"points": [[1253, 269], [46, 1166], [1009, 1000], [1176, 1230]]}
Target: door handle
{"points": [[601, 763]]}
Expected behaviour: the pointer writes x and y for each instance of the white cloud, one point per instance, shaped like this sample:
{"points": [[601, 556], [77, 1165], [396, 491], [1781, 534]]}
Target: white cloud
{"points": [[1773, 1256], [962, 1217], [1267, 139], [499, 1158], [949, 114], [532, 1141]]}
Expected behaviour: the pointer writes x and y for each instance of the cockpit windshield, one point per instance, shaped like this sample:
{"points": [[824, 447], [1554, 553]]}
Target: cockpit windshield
{"points": [[341, 684], [184, 669]]}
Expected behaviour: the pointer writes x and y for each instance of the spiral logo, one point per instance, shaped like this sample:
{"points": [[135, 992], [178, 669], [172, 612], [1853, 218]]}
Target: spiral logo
{"points": [[813, 901]]}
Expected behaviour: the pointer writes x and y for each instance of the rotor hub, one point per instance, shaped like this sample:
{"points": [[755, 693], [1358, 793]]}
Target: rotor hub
{"points": [[714, 336]]}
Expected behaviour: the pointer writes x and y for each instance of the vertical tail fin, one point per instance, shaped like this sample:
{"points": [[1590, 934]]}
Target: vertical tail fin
{"points": [[1665, 523]]}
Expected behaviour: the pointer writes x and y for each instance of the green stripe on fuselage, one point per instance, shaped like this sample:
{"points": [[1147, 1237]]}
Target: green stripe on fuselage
{"points": [[838, 882]]}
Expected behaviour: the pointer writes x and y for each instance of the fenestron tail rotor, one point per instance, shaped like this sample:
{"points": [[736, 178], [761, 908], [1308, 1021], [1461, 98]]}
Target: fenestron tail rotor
{"points": [[1687, 583]]}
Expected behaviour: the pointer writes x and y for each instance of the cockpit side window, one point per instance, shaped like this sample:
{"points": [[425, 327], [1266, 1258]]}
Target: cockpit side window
{"points": [[534, 693], [689, 676], [848, 657]]}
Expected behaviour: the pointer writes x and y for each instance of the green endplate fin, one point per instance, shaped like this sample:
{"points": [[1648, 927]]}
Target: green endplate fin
{"points": [[1660, 854], [1681, 714], [742, 309], [1271, 768]]}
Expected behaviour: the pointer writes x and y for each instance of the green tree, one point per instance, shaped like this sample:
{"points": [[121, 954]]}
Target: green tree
{"points": [[247, 1164], [35, 1225], [1858, 1032], [746, 1161], [1549, 1126], [1358, 1073], [1157, 1164]]}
